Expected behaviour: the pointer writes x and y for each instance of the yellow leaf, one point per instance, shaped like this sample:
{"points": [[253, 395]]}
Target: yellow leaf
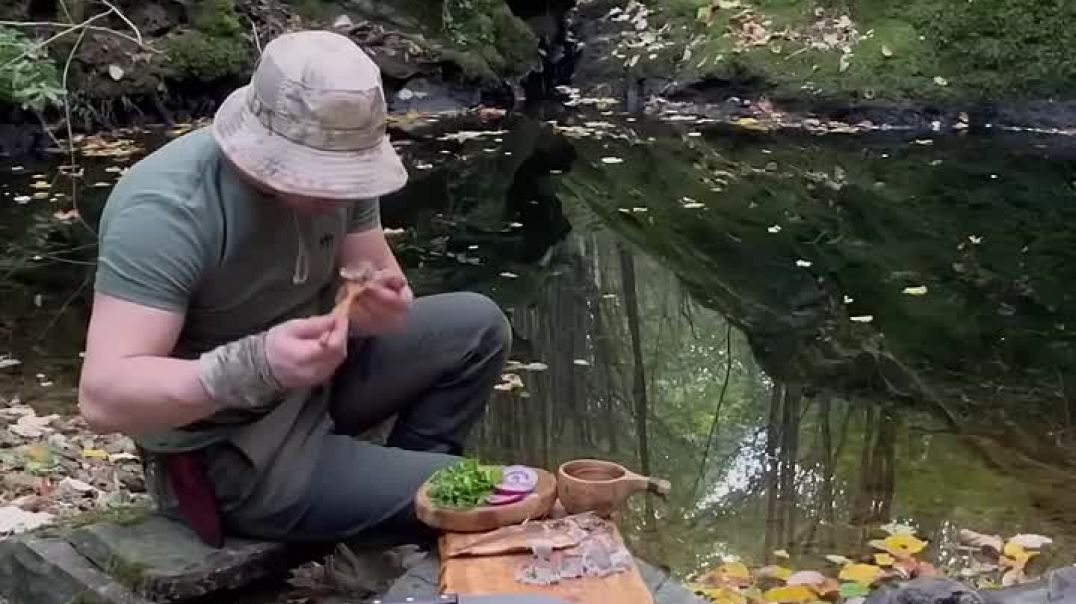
{"points": [[729, 574], [900, 545], [884, 560], [1019, 556], [920, 290], [774, 572], [750, 123], [40, 185], [39, 453], [722, 595], [94, 454], [860, 573], [790, 594]]}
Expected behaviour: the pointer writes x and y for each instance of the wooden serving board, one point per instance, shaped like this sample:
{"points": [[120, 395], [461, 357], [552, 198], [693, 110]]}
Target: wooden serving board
{"points": [[479, 575], [486, 518]]}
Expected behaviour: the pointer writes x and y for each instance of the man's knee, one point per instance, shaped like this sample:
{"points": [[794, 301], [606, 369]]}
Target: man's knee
{"points": [[481, 316]]}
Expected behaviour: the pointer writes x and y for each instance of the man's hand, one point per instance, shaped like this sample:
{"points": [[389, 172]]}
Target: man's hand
{"points": [[297, 355], [382, 307]]}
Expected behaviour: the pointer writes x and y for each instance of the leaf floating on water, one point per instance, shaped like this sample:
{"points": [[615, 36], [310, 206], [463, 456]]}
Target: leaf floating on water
{"points": [[508, 275], [975, 239], [790, 594], [102, 184], [1018, 557], [782, 554], [887, 51], [612, 160], [115, 72], [21, 199], [17, 168], [834, 558], [860, 573], [775, 229], [581, 362], [40, 185], [6, 362], [67, 216], [920, 290], [803, 264], [862, 319], [940, 81]]}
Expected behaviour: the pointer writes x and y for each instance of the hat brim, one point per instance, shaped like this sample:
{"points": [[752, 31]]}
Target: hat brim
{"points": [[289, 167]]}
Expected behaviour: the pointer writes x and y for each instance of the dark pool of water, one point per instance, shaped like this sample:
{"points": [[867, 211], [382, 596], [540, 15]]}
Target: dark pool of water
{"points": [[808, 336]]}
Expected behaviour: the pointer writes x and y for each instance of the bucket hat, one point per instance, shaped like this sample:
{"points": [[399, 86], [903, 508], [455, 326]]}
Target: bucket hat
{"points": [[311, 121]]}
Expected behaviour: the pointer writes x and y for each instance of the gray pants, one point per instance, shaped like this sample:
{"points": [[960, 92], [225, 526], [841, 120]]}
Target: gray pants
{"points": [[434, 378]]}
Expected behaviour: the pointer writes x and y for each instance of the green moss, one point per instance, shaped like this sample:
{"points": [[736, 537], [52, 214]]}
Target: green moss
{"points": [[122, 515], [215, 17], [489, 30], [128, 573], [989, 49], [194, 55]]}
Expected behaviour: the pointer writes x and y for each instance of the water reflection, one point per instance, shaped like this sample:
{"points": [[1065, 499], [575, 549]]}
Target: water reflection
{"points": [[694, 304]]}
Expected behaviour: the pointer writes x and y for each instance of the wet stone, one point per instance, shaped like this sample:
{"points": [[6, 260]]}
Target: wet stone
{"points": [[49, 571], [166, 562]]}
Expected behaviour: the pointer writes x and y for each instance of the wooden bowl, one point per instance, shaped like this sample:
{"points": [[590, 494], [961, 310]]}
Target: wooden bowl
{"points": [[486, 518]]}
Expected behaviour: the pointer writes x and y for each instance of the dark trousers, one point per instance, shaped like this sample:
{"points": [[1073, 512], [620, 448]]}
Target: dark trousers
{"points": [[434, 378]]}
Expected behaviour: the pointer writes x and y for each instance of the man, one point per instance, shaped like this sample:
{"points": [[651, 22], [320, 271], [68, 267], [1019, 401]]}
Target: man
{"points": [[211, 342]]}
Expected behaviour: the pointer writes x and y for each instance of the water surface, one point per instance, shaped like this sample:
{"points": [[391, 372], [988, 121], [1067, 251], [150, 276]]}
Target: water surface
{"points": [[809, 336]]}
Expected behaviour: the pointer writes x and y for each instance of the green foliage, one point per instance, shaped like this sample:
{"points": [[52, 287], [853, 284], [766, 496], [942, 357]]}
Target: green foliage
{"points": [[464, 484], [195, 55], [28, 78], [489, 29]]}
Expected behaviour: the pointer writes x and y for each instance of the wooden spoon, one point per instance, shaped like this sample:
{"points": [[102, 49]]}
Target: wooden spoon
{"points": [[356, 280]]}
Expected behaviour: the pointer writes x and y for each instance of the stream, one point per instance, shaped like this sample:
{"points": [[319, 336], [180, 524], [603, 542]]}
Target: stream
{"points": [[809, 336]]}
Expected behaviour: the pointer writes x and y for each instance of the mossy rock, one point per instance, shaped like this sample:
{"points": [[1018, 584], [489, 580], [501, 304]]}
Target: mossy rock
{"points": [[197, 56]]}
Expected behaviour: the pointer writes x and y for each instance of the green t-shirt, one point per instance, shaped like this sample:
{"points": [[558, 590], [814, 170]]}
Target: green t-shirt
{"points": [[181, 231]]}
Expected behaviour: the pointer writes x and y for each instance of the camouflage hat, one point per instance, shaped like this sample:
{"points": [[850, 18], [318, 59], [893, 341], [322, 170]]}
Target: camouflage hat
{"points": [[312, 121]]}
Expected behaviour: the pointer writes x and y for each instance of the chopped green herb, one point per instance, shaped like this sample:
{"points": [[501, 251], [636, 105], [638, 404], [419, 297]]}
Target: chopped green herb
{"points": [[464, 484]]}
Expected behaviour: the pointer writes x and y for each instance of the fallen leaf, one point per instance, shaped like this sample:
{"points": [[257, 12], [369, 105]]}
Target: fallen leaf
{"points": [[1013, 576], [900, 545], [994, 542], [1018, 556], [721, 595], [508, 275], [731, 574], [807, 577], [1027, 541], [862, 319], [895, 528], [612, 160], [67, 216], [803, 264], [940, 81], [581, 362], [773, 572], [21, 199], [95, 454], [860, 573], [17, 520], [76, 485], [6, 362], [884, 560], [834, 558], [887, 51], [781, 554], [790, 594], [775, 229], [854, 590], [115, 72], [920, 290], [40, 185]]}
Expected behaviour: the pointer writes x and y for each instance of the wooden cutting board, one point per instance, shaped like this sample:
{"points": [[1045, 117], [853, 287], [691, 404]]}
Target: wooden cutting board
{"points": [[478, 575]]}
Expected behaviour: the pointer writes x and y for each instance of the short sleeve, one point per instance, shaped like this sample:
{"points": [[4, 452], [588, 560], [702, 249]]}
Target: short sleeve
{"points": [[151, 252], [365, 214]]}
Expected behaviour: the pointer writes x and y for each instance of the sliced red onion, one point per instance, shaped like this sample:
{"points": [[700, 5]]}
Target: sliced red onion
{"points": [[517, 479], [504, 499]]}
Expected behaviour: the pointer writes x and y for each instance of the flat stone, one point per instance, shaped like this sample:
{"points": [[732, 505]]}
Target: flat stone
{"points": [[49, 571], [165, 561]]}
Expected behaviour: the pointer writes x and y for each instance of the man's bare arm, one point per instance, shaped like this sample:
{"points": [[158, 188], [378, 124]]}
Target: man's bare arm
{"points": [[129, 383], [369, 246]]}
